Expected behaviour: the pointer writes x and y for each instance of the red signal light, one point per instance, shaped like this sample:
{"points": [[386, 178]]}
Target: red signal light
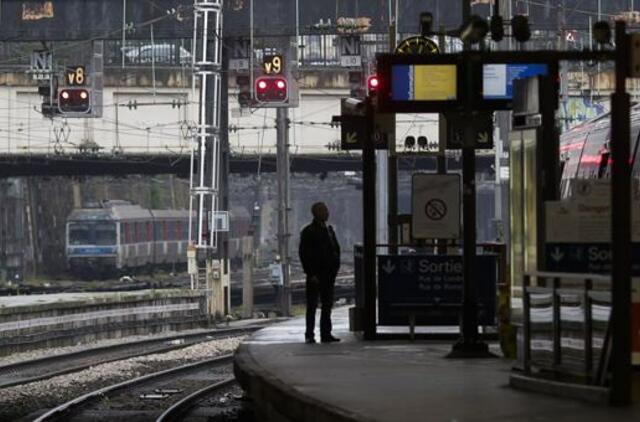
{"points": [[373, 83], [271, 89], [74, 100]]}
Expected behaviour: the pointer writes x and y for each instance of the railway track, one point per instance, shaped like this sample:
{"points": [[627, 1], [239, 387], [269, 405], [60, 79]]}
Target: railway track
{"points": [[162, 396], [51, 366], [183, 408]]}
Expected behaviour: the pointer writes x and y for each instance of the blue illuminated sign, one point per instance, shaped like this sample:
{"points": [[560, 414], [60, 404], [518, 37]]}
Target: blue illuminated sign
{"points": [[402, 82], [497, 79]]}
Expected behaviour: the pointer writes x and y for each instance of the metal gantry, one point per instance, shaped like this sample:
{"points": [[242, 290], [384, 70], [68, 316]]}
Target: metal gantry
{"points": [[206, 145]]}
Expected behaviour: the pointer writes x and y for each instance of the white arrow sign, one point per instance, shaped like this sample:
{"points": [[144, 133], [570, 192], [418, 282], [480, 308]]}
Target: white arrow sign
{"points": [[352, 138], [557, 254], [388, 267], [483, 137]]}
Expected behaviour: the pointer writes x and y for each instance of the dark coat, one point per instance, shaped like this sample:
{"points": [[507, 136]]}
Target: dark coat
{"points": [[319, 250]]}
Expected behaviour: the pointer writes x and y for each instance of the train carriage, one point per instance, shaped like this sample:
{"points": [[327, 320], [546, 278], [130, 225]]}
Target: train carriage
{"points": [[121, 238], [585, 154]]}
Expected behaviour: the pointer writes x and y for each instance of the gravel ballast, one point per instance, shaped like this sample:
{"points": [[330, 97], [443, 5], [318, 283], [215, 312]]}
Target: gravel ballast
{"points": [[23, 399]]}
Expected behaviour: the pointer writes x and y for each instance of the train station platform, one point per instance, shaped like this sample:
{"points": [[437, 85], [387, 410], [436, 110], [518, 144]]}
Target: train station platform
{"points": [[354, 380], [40, 321]]}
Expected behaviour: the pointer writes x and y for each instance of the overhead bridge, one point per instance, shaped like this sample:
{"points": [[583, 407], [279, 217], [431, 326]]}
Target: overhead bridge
{"points": [[15, 165]]}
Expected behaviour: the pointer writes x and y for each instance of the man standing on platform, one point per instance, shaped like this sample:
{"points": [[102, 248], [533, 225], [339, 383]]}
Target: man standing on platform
{"points": [[320, 257]]}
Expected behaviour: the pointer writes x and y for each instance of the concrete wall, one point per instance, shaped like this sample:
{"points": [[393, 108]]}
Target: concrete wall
{"points": [[158, 126]]}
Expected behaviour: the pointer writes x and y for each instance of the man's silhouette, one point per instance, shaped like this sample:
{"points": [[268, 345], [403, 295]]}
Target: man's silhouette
{"points": [[320, 257]]}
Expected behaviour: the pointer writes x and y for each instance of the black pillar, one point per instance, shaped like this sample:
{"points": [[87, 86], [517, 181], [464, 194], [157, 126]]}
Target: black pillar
{"points": [[620, 228], [469, 344], [369, 228]]}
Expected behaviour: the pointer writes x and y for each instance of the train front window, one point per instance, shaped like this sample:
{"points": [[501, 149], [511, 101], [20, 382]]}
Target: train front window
{"points": [[105, 234], [79, 234]]}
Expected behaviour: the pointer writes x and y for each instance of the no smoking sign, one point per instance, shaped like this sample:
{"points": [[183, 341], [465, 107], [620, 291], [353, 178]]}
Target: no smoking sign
{"points": [[435, 209], [435, 204]]}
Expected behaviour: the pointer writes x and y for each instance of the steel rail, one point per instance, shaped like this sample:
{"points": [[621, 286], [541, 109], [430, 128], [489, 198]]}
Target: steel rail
{"points": [[180, 407], [50, 360], [65, 409]]}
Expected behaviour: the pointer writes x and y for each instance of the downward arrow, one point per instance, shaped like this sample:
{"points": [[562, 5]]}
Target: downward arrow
{"points": [[483, 137], [557, 254], [388, 267]]}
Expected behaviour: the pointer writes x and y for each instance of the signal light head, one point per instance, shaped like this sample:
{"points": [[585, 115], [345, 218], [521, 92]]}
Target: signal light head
{"points": [[409, 142], [520, 28], [602, 32], [74, 100], [373, 83], [474, 30], [270, 89], [497, 28]]}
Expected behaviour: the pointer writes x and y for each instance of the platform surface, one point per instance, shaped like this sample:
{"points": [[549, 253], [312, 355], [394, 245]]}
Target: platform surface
{"points": [[397, 381], [88, 297]]}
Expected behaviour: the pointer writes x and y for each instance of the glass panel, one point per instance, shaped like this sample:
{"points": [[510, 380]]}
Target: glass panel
{"points": [[79, 234], [541, 329], [158, 230], [516, 221], [172, 230], [105, 233], [572, 329], [530, 200], [570, 151], [600, 311], [592, 154]]}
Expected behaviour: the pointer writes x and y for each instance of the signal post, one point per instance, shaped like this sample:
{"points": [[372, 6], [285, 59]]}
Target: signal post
{"points": [[274, 89]]}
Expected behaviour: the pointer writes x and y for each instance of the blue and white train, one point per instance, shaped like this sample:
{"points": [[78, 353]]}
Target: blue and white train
{"points": [[121, 238]]}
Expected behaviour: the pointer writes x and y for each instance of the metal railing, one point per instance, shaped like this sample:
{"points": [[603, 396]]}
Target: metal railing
{"points": [[566, 324]]}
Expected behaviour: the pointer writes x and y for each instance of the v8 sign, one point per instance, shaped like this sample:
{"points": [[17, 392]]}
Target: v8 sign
{"points": [[76, 76]]}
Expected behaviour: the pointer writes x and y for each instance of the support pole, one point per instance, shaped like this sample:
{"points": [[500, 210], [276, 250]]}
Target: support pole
{"points": [[369, 229], [441, 163], [282, 128], [469, 345], [620, 228], [247, 277], [392, 163]]}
